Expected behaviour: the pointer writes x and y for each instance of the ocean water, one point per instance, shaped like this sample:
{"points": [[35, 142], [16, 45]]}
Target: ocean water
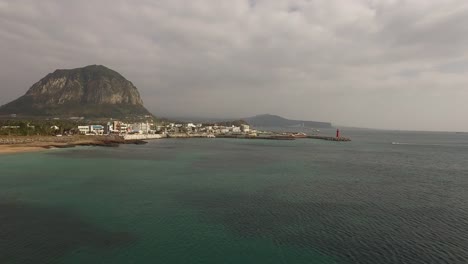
{"points": [[385, 197]]}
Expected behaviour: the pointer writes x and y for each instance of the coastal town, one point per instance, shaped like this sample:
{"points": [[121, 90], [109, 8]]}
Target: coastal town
{"points": [[146, 130], [156, 130], [165, 130]]}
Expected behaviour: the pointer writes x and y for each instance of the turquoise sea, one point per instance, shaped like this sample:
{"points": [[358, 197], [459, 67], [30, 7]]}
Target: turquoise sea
{"points": [[385, 197]]}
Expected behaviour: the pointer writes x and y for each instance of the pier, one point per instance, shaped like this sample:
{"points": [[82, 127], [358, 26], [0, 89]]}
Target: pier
{"points": [[257, 137], [330, 138], [142, 136]]}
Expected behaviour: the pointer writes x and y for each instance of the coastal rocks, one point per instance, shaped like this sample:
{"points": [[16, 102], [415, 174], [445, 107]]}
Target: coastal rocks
{"points": [[7, 140], [135, 142], [66, 141]]}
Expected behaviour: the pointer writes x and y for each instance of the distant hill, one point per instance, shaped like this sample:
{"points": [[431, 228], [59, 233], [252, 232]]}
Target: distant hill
{"points": [[91, 91], [268, 120]]}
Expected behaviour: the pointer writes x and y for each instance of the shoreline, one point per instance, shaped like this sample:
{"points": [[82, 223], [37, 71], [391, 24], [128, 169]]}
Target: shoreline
{"points": [[13, 149], [23, 144], [12, 145]]}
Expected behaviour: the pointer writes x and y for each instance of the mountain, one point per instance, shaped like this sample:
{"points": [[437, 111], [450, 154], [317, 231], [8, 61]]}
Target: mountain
{"points": [[91, 91], [268, 120]]}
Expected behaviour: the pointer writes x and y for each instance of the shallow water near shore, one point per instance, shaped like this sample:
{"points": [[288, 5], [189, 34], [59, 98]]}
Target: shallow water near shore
{"points": [[385, 197]]}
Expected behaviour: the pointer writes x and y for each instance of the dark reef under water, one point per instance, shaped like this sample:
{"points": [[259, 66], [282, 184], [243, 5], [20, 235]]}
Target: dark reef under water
{"points": [[34, 234]]}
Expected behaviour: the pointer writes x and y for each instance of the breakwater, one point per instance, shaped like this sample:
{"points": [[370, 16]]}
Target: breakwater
{"points": [[330, 138], [142, 137], [192, 135], [257, 137]]}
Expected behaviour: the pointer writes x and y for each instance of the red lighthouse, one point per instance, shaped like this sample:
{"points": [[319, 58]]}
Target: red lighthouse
{"points": [[337, 133]]}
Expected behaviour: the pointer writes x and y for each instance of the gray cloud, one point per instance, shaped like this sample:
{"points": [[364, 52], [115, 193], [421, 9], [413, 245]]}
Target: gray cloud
{"points": [[388, 64]]}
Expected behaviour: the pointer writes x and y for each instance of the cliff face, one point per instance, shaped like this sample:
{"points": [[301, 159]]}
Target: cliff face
{"points": [[90, 91]]}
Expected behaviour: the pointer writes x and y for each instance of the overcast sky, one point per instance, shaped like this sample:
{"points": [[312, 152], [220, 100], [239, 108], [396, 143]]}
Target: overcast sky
{"points": [[383, 64]]}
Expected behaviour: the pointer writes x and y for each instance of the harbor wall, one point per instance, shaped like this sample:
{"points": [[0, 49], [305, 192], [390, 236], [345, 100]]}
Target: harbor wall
{"points": [[142, 137]]}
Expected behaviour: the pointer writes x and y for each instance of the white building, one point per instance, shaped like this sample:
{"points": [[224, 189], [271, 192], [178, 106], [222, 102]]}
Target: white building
{"points": [[91, 130], [96, 129], [191, 127], [120, 127], [141, 128], [84, 129]]}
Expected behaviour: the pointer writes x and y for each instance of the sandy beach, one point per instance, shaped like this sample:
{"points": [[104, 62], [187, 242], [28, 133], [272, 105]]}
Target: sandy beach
{"points": [[38, 143], [29, 147], [10, 149]]}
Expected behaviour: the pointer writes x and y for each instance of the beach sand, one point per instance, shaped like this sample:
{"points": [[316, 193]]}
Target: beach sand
{"points": [[38, 143], [48, 142], [40, 146], [10, 149]]}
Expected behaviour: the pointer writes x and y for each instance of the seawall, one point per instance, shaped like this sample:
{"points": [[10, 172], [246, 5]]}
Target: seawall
{"points": [[142, 137], [330, 138]]}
